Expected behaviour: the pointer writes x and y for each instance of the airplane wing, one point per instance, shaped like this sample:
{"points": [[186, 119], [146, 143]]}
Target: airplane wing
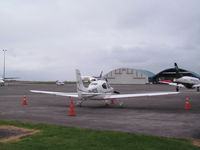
{"points": [[138, 95], [56, 93], [107, 96], [172, 83]]}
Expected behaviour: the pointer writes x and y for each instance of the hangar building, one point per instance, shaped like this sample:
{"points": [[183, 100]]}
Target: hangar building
{"points": [[170, 74], [128, 76]]}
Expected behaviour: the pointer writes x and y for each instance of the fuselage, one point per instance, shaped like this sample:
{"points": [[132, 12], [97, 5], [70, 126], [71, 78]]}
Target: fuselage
{"points": [[97, 90], [188, 81]]}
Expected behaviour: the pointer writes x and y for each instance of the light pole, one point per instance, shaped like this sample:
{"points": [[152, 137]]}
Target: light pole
{"points": [[4, 64]]}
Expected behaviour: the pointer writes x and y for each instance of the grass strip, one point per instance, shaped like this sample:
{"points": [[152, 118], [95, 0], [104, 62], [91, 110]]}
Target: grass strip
{"points": [[53, 137]]}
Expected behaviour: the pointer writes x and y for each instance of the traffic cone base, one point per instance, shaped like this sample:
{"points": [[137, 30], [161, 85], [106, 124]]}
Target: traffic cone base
{"points": [[187, 107]]}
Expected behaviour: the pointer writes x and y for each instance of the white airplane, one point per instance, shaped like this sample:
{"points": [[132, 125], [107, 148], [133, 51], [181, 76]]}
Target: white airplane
{"points": [[92, 78], [183, 81], [98, 90], [3, 78], [59, 82], [2, 83]]}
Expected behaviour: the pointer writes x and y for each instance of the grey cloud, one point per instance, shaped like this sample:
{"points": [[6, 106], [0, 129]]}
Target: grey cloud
{"points": [[56, 37]]}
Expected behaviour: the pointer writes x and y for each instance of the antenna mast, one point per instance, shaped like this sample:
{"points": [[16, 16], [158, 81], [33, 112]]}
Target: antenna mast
{"points": [[4, 64]]}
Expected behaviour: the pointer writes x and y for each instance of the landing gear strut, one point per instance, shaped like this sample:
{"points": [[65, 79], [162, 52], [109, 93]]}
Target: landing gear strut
{"points": [[79, 103], [198, 89], [177, 89], [120, 103]]}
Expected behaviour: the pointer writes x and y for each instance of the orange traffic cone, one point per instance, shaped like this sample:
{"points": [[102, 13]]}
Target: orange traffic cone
{"points": [[24, 101], [112, 101], [71, 112], [187, 104]]}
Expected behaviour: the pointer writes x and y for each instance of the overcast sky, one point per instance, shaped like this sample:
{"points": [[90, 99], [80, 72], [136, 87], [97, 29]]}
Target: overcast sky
{"points": [[49, 39]]}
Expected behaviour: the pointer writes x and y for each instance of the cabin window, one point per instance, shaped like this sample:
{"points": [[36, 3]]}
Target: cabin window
{"points": [[104, 86]]}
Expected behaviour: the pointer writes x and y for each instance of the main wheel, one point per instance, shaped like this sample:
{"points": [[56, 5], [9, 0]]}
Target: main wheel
{"points": [[177, 89]]}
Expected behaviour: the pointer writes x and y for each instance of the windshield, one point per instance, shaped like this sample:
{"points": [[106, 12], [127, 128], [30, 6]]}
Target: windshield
{"points": [[104, 86]]}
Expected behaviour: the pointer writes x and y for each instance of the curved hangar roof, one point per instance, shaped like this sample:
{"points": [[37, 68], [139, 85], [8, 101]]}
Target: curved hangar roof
{"points": [[170, 74], [128, 76]]}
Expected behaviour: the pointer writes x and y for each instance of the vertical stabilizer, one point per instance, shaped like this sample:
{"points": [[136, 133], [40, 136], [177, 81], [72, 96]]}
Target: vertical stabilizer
{"points": [[178, 74], [79, 82]]}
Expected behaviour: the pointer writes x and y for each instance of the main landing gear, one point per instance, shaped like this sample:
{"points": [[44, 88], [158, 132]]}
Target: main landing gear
{"points": [[177, 89], [108, 102], [79, 103]]}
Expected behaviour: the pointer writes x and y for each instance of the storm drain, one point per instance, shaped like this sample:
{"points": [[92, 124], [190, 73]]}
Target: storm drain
{"points": [[12, 133]]}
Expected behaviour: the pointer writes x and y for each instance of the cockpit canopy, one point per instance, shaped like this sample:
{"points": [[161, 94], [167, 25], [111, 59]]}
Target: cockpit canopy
{"points": [[102, 83]]}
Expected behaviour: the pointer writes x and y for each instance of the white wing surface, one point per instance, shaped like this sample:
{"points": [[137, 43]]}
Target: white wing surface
{"points": [[196, 85], [138, 95], [172, 84], [56, 93], [106, 96]]}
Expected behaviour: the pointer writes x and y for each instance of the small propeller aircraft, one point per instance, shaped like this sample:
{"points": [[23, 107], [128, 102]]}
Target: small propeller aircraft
{"points": [[98, 90], [59, 82], [2, 83], [183, 81], [2, 80]]}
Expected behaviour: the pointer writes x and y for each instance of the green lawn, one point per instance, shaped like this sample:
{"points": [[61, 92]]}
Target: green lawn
{"points": [[69, 138]]}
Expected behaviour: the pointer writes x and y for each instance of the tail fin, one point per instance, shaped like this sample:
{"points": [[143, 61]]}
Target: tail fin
{"points": [[79, 82], [178, 74]]}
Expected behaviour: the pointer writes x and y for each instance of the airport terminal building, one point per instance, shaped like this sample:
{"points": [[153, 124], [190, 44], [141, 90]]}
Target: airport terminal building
{"points": [[128, 76]]}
